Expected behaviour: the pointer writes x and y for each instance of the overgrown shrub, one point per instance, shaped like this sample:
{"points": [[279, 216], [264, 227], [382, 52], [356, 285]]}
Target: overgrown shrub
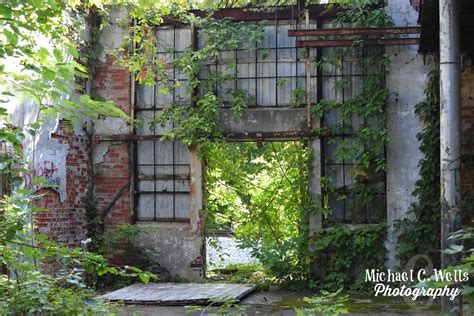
{"points": [[121, 247], [40, 294]]}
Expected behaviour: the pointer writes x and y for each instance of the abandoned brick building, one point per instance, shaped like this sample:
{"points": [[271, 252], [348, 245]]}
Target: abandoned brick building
{"points": [[136, 178]]}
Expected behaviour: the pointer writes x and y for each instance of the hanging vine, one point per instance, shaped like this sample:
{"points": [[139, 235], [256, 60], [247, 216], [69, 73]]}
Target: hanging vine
{"points": [[421, 234], [193, 121], [340, 251], [366, 146]]}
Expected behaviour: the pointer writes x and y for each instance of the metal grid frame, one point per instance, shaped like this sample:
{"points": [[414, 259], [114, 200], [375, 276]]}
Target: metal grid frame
{"points": [[174, 177], [320, 78], [341, 208], [257, 52]]}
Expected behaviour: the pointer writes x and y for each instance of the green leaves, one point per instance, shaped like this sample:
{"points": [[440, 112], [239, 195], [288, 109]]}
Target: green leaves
{"points": [[422, 234]]}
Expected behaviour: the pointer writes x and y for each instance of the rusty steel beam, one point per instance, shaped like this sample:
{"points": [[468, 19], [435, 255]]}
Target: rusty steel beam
{"points": [[287, 135], [258, 14], [372, 42], [355, 31], [163, 177], [230, 136], [241, 136]]}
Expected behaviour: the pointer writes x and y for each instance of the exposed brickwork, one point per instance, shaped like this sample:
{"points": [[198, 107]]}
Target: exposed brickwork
{"points": [[112, 176], [66, 222], [112, 82], [467, 127], [112, 185]]}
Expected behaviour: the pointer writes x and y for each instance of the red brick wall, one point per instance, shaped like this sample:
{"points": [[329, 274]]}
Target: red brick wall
{"points": [[112, 82], [112, 185], [467, 127], [66, 222], [112, 175]]}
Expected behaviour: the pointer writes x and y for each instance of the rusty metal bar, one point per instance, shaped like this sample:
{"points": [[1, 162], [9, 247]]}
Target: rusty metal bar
{"points": [[372, 42], [244, 136], [309, 123], [356, 31], [263, 13], [164, 177]]}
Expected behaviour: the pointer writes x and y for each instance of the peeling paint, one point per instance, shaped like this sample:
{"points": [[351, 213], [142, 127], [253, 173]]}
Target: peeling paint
{"points": [[406, 77], [100, 150]]}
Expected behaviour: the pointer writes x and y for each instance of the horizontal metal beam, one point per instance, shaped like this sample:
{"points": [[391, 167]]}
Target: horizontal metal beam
{"points": [[372, 42], [316, 11], [164, 220], [287, 135], [230, 136], [164, 177], [242, 136], [355, 31]]}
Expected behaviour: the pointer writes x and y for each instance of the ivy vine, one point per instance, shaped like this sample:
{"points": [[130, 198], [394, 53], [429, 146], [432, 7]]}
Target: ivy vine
{"points": [[342, 254], [366, 146], [421, 234], [192, 121]]}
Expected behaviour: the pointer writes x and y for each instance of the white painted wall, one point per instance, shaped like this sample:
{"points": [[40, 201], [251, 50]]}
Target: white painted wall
{"points": [[406, 77]]}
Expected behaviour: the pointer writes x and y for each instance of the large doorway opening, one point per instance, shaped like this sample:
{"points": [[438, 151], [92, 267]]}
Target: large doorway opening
{"points": [[257, 208]]}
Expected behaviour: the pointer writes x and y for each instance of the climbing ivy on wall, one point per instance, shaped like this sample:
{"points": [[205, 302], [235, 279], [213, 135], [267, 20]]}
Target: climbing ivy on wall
{"points": [[196, 121], [343, 253], [340, 252], [366, 146], [421, 234]]}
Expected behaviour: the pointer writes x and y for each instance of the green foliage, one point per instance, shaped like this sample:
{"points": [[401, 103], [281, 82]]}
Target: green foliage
{"points": [[421, 234], [362, 115], [192, 122], [123, 240], [249, 273], [258, 193], [26, 254], [325, 304], [461, 241], [296, 100], [38, 60], [262, 196], [342, 254], [221, 307], [40, 295], [362, 13]]}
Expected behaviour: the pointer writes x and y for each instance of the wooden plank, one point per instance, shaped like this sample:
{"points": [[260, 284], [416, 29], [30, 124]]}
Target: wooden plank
{"points": [[179, 294]]}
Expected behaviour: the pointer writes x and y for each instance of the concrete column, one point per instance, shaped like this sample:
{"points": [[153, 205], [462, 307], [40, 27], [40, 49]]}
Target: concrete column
{"points": [[406, 78], [315, 219]]}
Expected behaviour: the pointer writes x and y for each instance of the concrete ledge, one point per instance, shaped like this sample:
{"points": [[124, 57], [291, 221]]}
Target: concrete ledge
{"points": [[264, 120]]}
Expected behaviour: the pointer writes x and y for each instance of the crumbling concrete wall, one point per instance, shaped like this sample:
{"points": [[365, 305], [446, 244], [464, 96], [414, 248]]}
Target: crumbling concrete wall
{"points": [[179, 245], [406, 77], [176, 246], [111, 159], [60, 155]]}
